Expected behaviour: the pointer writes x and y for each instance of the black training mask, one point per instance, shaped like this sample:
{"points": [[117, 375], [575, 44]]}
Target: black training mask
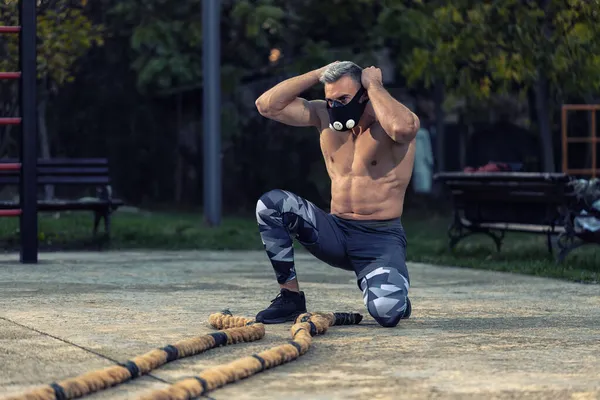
{"points": [[345, 117]]}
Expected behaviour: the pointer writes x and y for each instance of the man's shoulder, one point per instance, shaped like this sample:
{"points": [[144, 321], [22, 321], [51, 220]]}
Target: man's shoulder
{"points": [[320, 108], [319, 105]]}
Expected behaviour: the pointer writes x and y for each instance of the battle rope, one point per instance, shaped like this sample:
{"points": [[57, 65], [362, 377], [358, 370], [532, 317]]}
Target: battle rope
{"points": [[240, 330], [306, 326]]}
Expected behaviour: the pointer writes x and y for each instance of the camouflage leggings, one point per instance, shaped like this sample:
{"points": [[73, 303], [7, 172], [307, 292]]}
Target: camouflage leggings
{"points": [[373, 250]]}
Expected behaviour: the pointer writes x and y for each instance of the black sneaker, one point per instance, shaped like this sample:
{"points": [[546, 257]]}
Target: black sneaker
{"points": [[408, 309], [285, 307]]}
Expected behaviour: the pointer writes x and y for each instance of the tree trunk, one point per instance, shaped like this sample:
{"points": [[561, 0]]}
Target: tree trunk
{"points": [[440, 149], [543, 114], [44, 141], [178, 177], [542, 101], [179, 161]]}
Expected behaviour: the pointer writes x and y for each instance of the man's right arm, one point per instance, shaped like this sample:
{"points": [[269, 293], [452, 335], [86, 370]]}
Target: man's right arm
{"points": [[281, 103]]}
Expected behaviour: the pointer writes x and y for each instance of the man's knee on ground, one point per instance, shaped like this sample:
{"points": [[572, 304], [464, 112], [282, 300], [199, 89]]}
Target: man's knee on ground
{"points": [[387, 318], [385, 293], [386, 314]]}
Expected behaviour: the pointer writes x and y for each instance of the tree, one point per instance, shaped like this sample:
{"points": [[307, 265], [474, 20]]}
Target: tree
{"points": [[479, 48], [166, 44], [65, 34]]}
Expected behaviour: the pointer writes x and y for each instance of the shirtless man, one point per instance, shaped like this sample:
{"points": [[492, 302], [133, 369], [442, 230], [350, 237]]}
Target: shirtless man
{"points": [[367, 140]]}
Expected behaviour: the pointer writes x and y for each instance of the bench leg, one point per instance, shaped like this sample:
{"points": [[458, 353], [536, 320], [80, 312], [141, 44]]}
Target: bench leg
{"points": [[455, 234], [458, 232], [566, 243], [107, 224], [97, 218], [497, 238], [102, 215], [564, 252], [549, 243]]}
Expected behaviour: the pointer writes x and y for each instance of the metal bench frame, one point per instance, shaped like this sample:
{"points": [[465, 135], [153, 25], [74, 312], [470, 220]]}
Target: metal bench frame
{"points": [[75, 172], [540, 203]]}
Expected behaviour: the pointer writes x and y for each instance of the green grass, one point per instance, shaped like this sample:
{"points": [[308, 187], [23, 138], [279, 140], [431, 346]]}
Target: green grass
{"points": [[73, 231], [427, 241], [521, 252]]}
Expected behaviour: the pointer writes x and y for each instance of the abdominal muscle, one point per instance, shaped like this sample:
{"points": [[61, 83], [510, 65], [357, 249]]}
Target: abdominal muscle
{"points": [[363, 198], [369, 174]]}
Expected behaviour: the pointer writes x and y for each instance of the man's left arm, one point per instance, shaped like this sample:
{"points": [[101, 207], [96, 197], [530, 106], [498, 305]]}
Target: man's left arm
{"points": [[397, 120]]}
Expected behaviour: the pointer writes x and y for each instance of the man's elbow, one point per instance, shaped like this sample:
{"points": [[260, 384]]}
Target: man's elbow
{"points": [[264, 107], [406, 131]]}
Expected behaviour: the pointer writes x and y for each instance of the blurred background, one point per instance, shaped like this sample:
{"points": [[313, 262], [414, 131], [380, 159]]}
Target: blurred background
{"points": [[122, 79]]}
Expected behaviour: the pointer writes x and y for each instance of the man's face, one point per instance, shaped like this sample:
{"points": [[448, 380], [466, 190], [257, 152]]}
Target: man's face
{"points": [[342, 90]]}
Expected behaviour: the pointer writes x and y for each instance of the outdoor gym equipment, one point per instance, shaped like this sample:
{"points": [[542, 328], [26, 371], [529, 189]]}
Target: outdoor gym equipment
{"points": [[232, 330]]}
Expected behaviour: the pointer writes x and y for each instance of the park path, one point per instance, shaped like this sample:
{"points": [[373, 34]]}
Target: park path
{"points": [[473, 334]]}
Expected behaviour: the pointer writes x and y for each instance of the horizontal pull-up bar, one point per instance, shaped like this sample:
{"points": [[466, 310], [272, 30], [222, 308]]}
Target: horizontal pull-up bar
{"points": [[10, 29], [10, 75]]}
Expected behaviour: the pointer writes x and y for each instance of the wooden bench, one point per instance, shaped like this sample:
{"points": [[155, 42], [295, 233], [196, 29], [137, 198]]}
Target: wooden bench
{"points": [[497, 202], [91, 172]]}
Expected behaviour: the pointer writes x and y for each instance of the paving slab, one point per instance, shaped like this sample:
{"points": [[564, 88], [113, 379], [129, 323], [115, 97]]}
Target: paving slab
{"points": [[473, 334]]}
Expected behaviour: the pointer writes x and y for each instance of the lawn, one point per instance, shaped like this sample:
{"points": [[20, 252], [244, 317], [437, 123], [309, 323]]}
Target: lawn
{"points": [[427, 241]]}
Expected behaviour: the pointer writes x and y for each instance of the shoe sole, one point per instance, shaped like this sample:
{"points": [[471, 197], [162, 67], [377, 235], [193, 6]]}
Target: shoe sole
{"points": [[282, 319]]}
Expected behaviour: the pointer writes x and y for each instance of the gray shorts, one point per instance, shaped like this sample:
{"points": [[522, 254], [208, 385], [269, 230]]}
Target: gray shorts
{"points": [[359, 246]]}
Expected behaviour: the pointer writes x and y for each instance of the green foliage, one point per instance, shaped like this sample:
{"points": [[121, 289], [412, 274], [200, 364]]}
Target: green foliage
{"points": [[166, 39], [154, 47], [65, 33], [477, 48]]}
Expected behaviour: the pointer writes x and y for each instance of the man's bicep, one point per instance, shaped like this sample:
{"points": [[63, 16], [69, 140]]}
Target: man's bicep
{"points": [[301, 112]]}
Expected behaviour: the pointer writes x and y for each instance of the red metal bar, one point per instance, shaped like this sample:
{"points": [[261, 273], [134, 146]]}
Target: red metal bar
{"points": [[10, 121], [10, 29], [10, 213], [10, 75], [586, 139], [10, 166], [587, 171], [581, 107]]}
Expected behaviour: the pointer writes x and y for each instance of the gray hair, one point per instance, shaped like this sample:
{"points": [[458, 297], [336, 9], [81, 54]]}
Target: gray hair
{"points": [[335, 71]]}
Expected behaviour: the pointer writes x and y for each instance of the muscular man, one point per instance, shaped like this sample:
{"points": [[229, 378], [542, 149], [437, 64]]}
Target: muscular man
{"points": [[367, 140]]}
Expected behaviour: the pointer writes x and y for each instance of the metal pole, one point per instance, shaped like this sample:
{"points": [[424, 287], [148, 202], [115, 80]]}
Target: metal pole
{"points": [[28, 181], [211, 18], [594, 144], [565, 141]]}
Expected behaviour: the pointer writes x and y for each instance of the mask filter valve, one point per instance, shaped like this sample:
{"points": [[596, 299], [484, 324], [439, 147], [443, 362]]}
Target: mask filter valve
{"points": [[344, 117]]}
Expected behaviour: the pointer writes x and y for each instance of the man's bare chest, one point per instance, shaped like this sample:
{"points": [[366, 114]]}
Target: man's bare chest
{"points": [[344, 151]]}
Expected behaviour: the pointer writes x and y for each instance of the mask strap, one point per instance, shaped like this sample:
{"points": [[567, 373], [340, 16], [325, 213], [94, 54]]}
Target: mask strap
{"points": [[359, 94]]}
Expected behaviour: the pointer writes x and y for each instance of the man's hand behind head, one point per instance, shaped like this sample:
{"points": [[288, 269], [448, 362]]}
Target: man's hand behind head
{"points": [[371, 76]]}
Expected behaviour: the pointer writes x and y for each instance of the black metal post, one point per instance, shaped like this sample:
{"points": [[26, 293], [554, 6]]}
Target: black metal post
{"points": [[28, 182], [211, 18]]}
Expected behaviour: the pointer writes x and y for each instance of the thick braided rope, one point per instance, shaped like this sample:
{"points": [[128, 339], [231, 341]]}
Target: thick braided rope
{"points": [[306, 326], [240, 330]]}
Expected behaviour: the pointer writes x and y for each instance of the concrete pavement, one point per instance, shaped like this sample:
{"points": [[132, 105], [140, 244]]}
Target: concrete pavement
{"points": [[473, 334]]}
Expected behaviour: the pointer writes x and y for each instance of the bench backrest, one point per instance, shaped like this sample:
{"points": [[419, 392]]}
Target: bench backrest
{"points": [[510, 197], [76, 171]]}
